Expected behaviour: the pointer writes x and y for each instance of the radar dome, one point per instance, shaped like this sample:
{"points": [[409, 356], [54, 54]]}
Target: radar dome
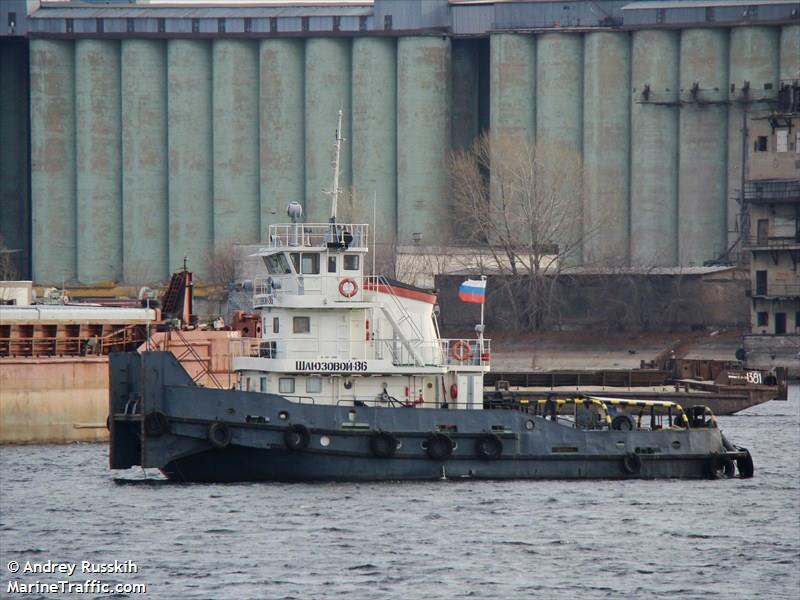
{"points": [[294, 210]]}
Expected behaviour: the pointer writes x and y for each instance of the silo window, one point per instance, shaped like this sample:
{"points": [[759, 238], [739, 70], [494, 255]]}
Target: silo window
{"points": [[69, 25], [273, 24], [362, 23], [761, 143], [130, 25], [248, 25], [304, 23], [162, 25], [195, 25], [337, 23], [387, 22], [782, 140], [221, 25], [661, 14], [709, 14], [99, 25]]}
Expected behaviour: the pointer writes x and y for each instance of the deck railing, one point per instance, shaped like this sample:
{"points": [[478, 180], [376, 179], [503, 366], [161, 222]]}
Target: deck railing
{"points": [[438, 353]]}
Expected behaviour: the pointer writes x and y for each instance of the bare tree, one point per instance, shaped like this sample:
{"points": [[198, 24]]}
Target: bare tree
{"points": [[523, 202], [8, 268]]}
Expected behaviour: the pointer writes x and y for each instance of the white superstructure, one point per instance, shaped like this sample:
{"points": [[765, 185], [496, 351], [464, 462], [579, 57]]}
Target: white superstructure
{"points": [[333, 335]]}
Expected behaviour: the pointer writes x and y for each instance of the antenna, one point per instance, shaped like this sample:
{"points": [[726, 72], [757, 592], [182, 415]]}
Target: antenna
{"points": [[335, 191]]}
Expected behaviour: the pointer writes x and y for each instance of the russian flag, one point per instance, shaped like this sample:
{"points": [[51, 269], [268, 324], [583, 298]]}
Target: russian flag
{"points": [[472, 291]]}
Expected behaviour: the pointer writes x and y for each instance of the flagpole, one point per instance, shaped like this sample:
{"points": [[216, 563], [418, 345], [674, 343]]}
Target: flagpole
{"points": [[480, 333]]}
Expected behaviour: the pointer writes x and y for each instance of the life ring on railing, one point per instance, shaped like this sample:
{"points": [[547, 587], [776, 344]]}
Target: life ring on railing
{"points": [[461, 351], [348, 287]]}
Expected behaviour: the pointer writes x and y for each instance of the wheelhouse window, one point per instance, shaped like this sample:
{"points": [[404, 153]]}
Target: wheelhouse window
{"points": [[331, 264], [351, 262], [286, 385], [277, 264], [306, 263], [314, 385], [301, 325], [309, 264], [276, 325]]}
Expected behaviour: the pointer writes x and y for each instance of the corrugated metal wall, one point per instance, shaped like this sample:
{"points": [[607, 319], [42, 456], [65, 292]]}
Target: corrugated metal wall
{"points": [[146, 151]]}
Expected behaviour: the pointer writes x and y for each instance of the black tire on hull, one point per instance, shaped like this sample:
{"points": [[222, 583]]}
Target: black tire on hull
{"points": [[720, 466], [489, 446], [297, 437], [745, 465], [440, 447], [156, 424], [383, 444], [632, 463], [219, 435], [621, 423]]}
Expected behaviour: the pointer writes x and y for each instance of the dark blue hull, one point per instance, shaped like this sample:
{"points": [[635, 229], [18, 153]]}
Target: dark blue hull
{"points": [[160, 419]]}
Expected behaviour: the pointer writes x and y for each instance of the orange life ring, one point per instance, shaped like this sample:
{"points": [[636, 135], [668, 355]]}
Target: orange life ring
{"points": [[343, 287], [461, 351]]}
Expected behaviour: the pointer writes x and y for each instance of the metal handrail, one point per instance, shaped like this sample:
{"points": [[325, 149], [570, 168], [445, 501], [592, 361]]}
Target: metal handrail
{"points": [[442, 352]]}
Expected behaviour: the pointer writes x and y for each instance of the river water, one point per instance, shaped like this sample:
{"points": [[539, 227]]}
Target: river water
{"points": [[468, 539]]}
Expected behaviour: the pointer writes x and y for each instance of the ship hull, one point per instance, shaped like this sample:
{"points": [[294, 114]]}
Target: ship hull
{"points": [[243, 464], [160, 419]]}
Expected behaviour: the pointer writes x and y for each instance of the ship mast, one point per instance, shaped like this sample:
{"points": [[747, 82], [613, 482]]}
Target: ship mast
{"points": [[335, 191]]}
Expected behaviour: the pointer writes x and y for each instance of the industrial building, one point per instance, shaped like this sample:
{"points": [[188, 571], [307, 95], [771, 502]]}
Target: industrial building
{"points": [[133, 134], [772, 201]]}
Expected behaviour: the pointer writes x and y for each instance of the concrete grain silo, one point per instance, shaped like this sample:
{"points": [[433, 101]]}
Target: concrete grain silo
{"points": [[158, 132]]}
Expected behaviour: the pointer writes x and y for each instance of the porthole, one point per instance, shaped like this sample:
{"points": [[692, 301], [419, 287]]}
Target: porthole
{"points": [[283, 415], [324, 441], [424, 444], [676, 444], [529, 425]]}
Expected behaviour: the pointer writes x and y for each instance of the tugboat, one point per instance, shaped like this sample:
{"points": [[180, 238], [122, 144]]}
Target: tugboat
{"points": [[351, 381]]}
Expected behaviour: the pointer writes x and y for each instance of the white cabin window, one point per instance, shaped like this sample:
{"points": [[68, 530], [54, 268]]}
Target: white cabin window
{"points": [[331, 264], [310, 264], [277, 264], [301, 325], [276, 325], [313, 385], [263, 383], [351, 262], [286, 385]]}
